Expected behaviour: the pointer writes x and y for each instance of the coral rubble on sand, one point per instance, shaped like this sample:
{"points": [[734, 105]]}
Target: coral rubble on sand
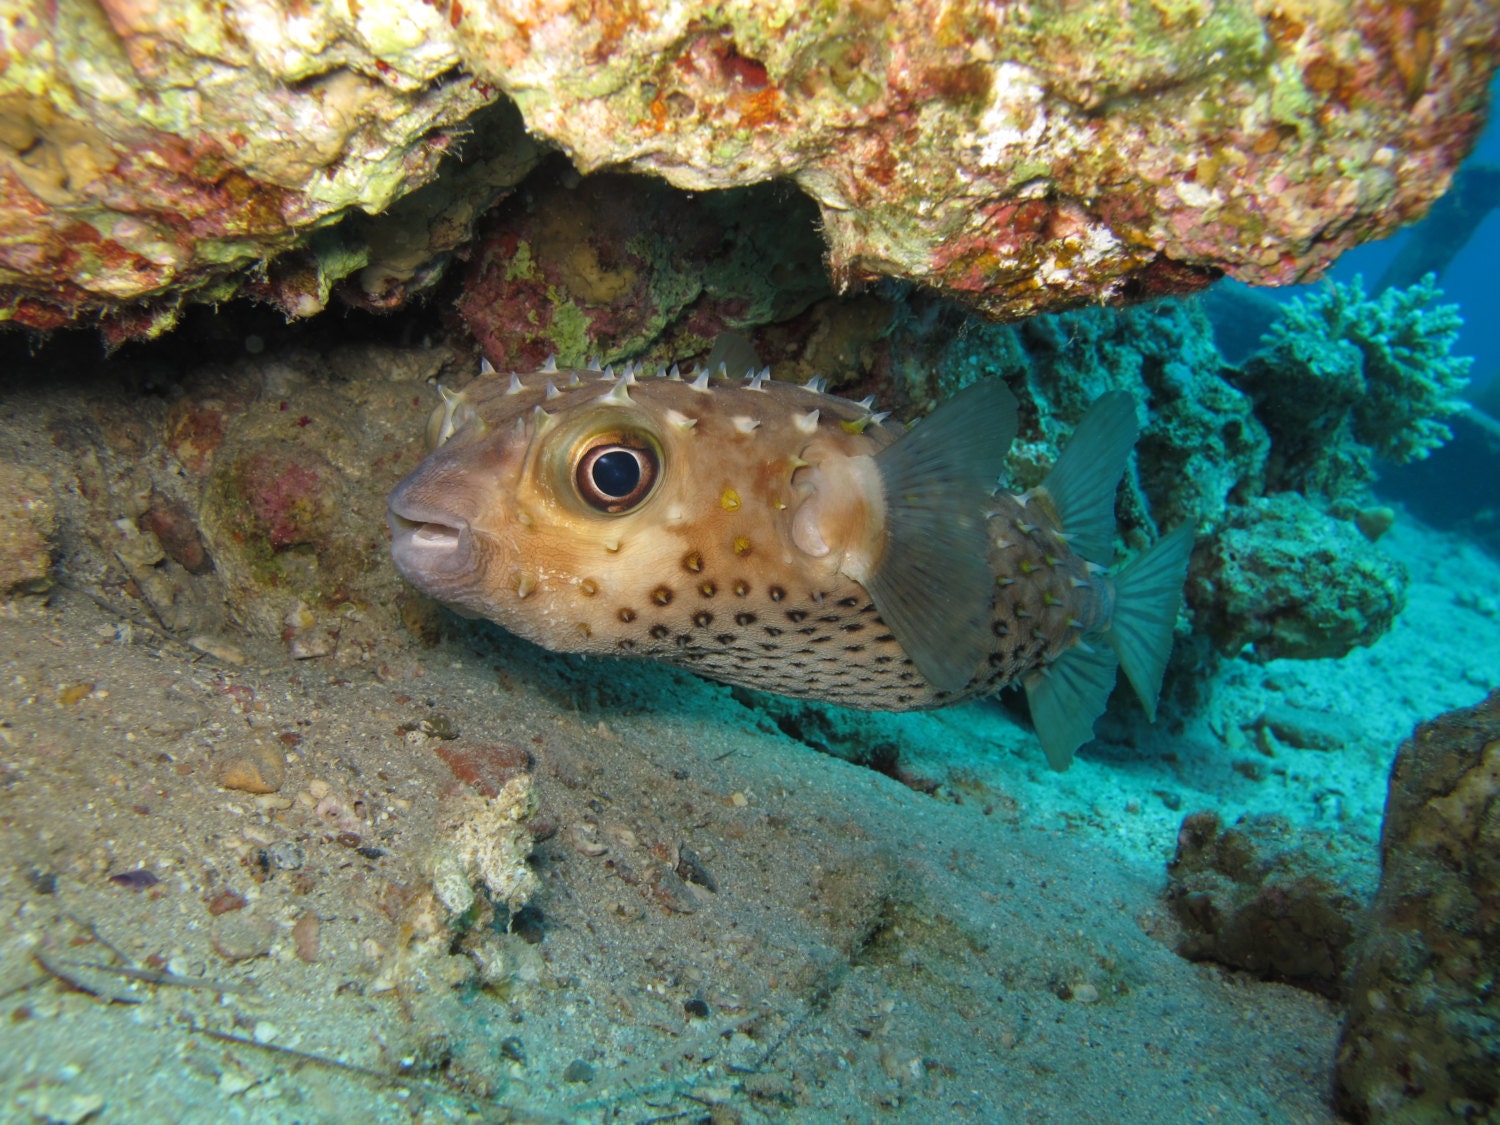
{"points": [[1020, 157]]}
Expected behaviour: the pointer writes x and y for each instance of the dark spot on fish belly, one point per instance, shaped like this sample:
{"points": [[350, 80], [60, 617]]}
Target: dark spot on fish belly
{"points": [[776, 593], [743, 619], [741, 588], [662, 595], [693, 562], [660, 632], [796, 616], [626, 615], [703, 619], [708, 589]]}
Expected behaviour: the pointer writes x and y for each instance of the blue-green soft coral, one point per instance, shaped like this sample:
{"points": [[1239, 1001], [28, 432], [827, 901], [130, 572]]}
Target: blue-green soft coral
{"points": [[1344, 378]]}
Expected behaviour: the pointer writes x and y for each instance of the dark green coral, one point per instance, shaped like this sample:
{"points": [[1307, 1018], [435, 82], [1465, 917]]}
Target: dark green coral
{"points": [[1344, 379]]}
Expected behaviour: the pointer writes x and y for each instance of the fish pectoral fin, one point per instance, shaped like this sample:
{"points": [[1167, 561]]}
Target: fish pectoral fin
{"points": [[1083, 482], [1066, 697], [1148, 593], [933, 585]]}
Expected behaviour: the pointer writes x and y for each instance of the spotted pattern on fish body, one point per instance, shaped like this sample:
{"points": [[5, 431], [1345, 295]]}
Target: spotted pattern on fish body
{"points": [[760, 533]]}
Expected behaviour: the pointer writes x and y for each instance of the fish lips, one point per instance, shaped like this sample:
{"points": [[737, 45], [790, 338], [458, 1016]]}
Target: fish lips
{"points": [[432, 546]]}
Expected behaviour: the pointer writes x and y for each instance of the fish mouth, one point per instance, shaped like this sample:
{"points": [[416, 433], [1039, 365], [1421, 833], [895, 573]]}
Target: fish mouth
{"points": [[431, 548]]}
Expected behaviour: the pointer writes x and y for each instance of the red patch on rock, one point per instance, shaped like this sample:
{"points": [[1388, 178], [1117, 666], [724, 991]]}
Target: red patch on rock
{"points": [[484, 769], [172, 522]]}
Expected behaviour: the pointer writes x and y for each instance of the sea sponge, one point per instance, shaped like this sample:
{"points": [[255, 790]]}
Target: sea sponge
{"points": [[1344, 378]]}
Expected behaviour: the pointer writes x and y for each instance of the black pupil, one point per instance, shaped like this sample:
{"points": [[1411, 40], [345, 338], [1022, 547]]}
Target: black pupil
{"points": [[617, 473]]}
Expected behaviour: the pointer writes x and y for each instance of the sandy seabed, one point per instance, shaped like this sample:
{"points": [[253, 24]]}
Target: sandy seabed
{"points": [[729, 925]]}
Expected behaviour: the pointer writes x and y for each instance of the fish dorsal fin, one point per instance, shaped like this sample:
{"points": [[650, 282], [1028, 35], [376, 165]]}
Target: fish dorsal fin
{"points": [[1066, 697], [933, 585], [1083, 483]]}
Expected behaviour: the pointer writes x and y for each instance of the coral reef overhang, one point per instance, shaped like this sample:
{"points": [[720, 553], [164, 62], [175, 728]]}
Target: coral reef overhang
{"points": [[1020, 157]]}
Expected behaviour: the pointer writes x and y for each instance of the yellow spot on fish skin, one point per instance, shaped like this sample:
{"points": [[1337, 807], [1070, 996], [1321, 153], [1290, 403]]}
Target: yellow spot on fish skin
{"points": [[526, 585], [795, 463], [692, 561], [1051, 599], [1004, 581], [1028, 567], [708, 589], [1023, 613], [1053, 560], [611, 545], [703, 619], [627, 615], [1026, 528], [588, 587], [741, 545], [857, 426], [729, 500], [1074, 623], [662, 595], [741, 588]]}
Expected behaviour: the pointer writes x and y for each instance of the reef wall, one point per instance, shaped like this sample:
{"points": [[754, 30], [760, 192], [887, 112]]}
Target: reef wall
{"points": [[1019, 157]]}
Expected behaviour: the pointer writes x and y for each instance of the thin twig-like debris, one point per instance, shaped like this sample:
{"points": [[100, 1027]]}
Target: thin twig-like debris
{"points": [[105, 981]]}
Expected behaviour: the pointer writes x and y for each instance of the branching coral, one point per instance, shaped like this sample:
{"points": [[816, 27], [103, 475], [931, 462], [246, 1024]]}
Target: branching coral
{"points": [[1344, 378]]}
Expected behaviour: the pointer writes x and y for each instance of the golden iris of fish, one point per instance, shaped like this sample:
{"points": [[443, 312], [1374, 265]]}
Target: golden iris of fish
{"points": [[772, 535]]}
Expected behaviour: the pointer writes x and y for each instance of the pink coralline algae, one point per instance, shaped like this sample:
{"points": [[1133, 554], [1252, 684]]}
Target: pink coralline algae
{"points": [[1021, 157]]}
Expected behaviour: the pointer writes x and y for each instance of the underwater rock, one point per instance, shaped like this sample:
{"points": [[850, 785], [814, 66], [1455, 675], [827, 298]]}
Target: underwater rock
{"points": [[1263, 896], [27, 521], [1025, 157], [152, 152], [620, 266], [1018, 157], [1422, 1038], [1344, 379], [1289, 580]]}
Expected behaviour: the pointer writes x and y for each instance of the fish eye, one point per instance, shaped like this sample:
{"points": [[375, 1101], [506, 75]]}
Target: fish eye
{"points": [[616, 475]]}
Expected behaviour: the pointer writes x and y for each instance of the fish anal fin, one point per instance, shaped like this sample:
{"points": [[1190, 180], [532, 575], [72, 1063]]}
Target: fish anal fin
{"points": [[933, 585], [1067, 697]]}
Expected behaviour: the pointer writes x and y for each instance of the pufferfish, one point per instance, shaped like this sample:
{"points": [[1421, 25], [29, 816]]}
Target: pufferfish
{"points": [[771, 535]]}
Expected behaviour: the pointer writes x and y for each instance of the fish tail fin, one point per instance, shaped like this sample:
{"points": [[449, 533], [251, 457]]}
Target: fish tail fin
{"points": [[934, 588], [1148, 594], [1068, 695]]}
